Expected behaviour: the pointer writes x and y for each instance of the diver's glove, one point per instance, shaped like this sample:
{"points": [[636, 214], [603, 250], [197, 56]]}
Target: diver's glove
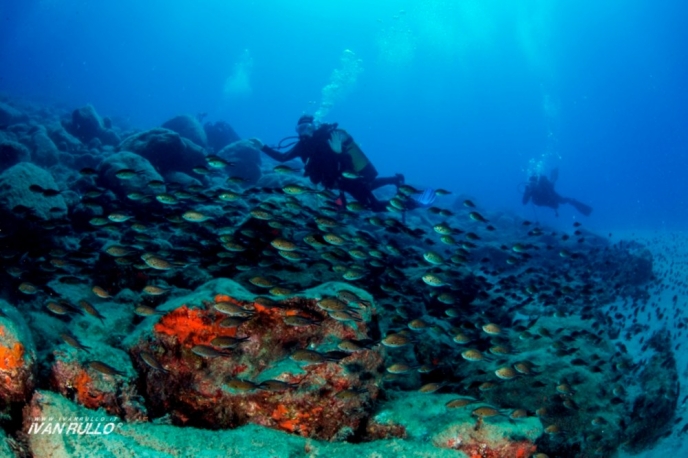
{"points": [[335, 141], [257, 143], [426, 198]]}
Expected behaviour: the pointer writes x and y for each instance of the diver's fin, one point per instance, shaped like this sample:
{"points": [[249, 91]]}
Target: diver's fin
{"points": [[581, 207], [424, 199], [554, 175]]}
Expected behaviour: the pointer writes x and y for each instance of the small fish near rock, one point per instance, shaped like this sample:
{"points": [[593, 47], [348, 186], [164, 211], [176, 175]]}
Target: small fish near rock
{"points": [[214, 365]]}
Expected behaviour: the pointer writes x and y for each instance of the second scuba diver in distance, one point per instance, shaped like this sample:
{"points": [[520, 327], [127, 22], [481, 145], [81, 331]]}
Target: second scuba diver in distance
{"points": [[541, 190], [331, 157]]}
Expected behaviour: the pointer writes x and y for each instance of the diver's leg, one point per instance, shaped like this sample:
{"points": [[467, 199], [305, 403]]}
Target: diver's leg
{"points": [[396, 180], [581, 207], [363, 194]]}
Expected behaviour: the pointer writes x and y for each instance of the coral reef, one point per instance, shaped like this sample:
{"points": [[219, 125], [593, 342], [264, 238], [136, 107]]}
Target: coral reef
{"points": [[17, 358], [150, 439], [218, 377], [163, 287]]}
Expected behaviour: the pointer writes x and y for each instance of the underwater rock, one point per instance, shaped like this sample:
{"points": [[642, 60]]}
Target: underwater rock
{"points": [[15, 193], [278, 366], [12, 153], [220, 134], [426, 416], [488, 438], [5, 449], [192, 150], [45, 152], [163, 440], [188, 127], [181, 178], [10, 115], [636, 265], [246, 160], [64, 140], [108, 382], [87, 125], [570, 378], [17, 358], [165, 149], [108, 168], [655, 408]]}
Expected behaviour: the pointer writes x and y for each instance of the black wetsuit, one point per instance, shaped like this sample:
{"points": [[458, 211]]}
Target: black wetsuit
{"points": [[541, 190], [322, 165]]}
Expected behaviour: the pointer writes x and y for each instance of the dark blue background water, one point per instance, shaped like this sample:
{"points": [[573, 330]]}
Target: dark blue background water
{"points": [[464, 95]]}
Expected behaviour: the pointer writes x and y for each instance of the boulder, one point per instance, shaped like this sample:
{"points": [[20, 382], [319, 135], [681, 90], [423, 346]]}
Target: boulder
{"points": [[474, 429], [45, 152], [87, 125], [10, 115], [11, 153], [195, 153], [195, 374], [654, 409], [181, 179], [16, 195], [63, 139], [188, 127], [165, 149], [17, 358], [109, 167], [220, 134], [246, 159], [102, 378]]}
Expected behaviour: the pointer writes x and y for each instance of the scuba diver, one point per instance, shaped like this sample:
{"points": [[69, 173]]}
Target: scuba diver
{"points": [[541, 190], [333, 159]]}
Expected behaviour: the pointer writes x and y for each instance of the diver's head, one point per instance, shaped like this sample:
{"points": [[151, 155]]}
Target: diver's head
{"points": [[305, 126]]}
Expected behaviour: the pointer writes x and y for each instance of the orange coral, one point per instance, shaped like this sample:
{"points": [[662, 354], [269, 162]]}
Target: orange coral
{"points": [[522, 449], [272, 311], [279, 411], [83, 384], [11, 358], [192, 326], [224, 298], [280, 415], [296, 422]]}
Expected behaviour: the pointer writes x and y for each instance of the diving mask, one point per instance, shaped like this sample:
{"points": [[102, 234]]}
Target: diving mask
{"points": [[305, 129]]}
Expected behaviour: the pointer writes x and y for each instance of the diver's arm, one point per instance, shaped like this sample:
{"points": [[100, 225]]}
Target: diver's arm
{"points": [[282, 157]]}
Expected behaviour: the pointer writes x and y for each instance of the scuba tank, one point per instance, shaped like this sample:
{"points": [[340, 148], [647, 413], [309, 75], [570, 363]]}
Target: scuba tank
{"points": [[362, 165]]}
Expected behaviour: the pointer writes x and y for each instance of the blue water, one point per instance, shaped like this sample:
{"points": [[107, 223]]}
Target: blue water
{"points": [[465, 95]]}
